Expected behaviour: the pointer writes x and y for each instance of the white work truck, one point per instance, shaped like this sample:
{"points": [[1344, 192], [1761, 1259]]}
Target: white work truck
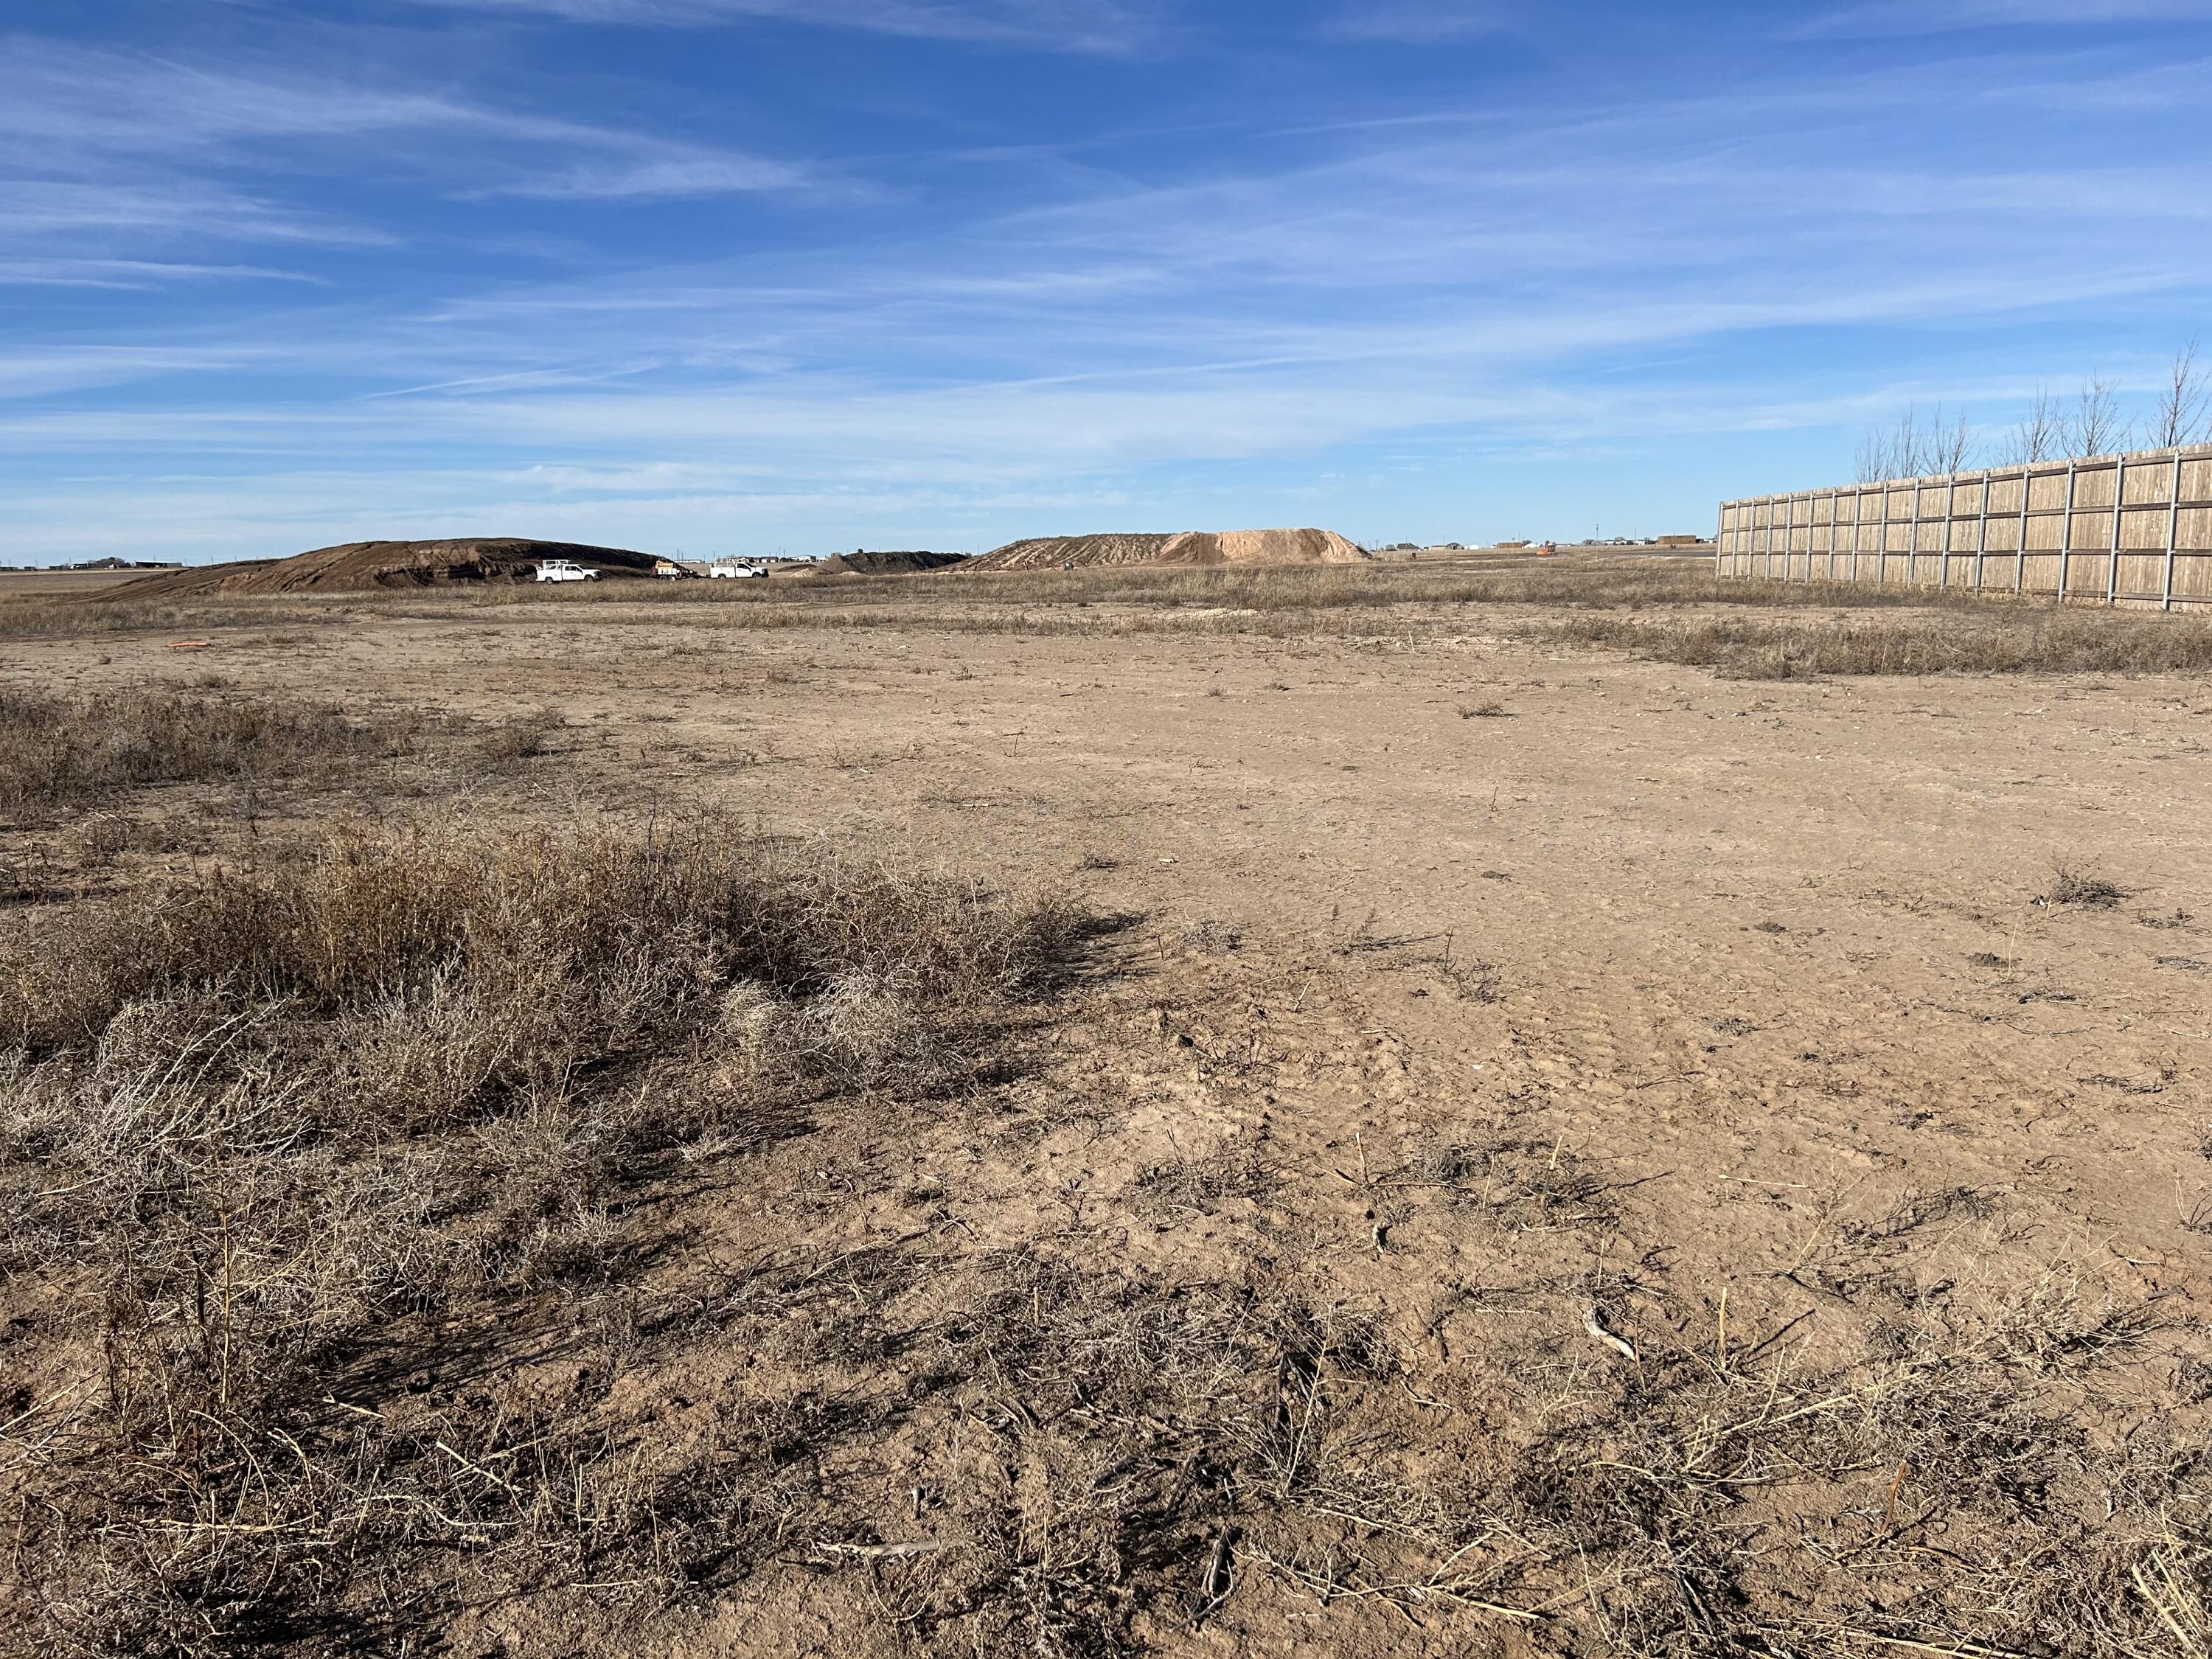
{"points": [[564, 570]]}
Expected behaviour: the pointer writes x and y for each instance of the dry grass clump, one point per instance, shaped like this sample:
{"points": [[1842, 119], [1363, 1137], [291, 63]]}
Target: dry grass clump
{"points": [[85, 616], [69, 753], [1090, 1445], [2062, 643], [291, 1152], [1239, 1168], [2070, 884], [583, 931], [1749, 1502]]}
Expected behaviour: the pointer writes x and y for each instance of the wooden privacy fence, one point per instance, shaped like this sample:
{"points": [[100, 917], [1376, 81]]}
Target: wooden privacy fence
{"points": [[2110, 529]]}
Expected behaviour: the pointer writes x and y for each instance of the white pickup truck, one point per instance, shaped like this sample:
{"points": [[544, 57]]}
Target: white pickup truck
{"points": [[564, 570]]}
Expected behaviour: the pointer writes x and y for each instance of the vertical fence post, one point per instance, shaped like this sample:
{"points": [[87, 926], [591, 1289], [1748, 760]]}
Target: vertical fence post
{"points": [[1882, 556], [2172, 533], [2019, 564], [2066, 535], [2120, 506], [1835, 530], [1982, 536], [1913, 539], [1950, 513]]}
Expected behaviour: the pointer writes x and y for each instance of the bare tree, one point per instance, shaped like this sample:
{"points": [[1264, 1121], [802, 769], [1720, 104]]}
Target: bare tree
{"points": [[2095, 426], [2184, 414], [2038, 435], [1947, 447], [1874, 457], [1908, 446], [1915, 449], [1906, 450]]}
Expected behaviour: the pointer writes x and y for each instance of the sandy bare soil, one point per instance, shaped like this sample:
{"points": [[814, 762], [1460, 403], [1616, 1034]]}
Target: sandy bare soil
{"points": [[1752, 1000], [1187, 547]]}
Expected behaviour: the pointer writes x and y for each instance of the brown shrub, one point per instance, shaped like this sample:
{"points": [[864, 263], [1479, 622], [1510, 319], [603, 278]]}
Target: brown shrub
{"points": [[70, 753], [600, 930], [2062, 642], [2072, 884], [288, 1130]]}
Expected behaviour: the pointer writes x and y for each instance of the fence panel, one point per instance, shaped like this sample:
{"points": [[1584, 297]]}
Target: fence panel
{"points": [[2131, 529]]}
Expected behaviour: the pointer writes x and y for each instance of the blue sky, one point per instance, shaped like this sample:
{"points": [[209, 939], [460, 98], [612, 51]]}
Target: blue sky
{"points": [[742, 275]]}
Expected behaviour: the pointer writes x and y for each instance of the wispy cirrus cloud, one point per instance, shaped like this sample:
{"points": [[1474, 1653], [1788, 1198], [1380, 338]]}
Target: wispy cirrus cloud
{"points": [[1876, 19], [127, 143], [105, 207], [1422, 22], [134, 273], [673, 174], [1109, 27]]}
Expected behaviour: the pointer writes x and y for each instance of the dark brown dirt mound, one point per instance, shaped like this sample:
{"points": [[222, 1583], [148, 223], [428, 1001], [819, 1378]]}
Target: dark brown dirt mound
{"points": [[358, 567], [889, 564], [1188, 547]]}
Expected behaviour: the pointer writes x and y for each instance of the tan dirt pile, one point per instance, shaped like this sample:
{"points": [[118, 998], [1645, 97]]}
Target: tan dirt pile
{"points": [[1188, 547], [360, 567]]}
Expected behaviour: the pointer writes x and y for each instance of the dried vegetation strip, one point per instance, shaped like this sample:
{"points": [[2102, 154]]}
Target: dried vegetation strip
{"points": [[1571, 583], [82, 615], [295, 1163], [1944, 1455], [1935, 642], [68, 753], [1283, 600]]}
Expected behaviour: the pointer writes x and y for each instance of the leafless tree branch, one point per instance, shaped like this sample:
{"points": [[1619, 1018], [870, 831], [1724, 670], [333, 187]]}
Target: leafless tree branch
{"points": [[2184, 414], [2095, 426]]}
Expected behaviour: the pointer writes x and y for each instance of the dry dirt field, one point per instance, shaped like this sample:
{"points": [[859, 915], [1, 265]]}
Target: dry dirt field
{"points": [[46, 584], [1374, 1113]]}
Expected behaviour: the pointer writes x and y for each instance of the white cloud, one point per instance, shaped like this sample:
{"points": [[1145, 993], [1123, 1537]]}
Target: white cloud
{"points": [[133, 274], [1422, 22], [1878, 19], [80, 209], [126, 143], [665, 176], [36, 373], [1110, 27]]}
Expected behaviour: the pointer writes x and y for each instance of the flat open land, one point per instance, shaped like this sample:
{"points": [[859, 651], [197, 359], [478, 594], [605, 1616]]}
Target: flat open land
{"points": [[1534, 1148], [22, 584]]}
